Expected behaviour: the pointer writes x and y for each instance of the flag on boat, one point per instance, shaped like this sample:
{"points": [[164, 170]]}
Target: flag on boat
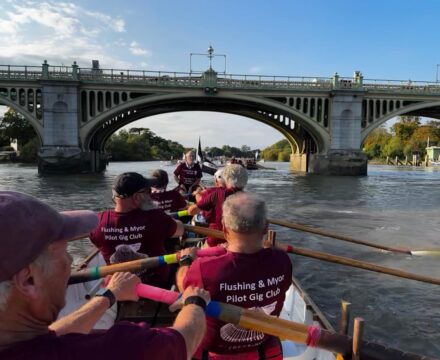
{"points": [[199, 154]]}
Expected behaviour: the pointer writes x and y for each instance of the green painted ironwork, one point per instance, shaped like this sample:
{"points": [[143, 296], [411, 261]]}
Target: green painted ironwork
{"points": [[231, 81]]}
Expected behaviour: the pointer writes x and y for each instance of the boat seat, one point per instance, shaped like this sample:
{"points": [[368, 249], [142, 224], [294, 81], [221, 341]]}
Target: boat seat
{"points": [[144, 310]]}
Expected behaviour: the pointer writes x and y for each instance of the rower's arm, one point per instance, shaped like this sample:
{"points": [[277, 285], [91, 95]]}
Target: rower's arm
{"points": [[194, 185], [82, 320], [123, 287], [179, 229], [190, 322], [180, 276]]}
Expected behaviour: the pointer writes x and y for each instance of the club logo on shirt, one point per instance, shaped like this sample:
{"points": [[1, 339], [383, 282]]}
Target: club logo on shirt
{"points": [[236, 334], [123, 233]]}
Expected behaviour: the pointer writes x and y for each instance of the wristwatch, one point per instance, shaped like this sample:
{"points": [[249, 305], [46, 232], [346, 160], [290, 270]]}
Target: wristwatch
{"points": [[185, 260], [196, 300], [108, 294]]}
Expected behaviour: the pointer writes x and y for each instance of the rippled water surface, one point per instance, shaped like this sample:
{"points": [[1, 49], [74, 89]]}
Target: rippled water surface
{"points": [[391, 206]]}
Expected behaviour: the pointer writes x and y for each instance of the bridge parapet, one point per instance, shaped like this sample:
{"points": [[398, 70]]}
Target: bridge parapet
{"points": [[196, 79]]}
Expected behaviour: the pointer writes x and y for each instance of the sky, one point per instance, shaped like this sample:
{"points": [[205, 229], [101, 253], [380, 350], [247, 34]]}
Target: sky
{"points": [[386, 39]]}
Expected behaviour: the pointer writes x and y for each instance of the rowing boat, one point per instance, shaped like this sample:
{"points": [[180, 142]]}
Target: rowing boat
{"points": [[298, 307]]}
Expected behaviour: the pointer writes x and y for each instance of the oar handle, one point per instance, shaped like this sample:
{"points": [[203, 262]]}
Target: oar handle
{"points": [[179, 214], [169, 297], [98, 272]]}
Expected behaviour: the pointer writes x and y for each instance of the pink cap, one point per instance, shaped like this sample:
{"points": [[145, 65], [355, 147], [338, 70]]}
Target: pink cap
{"points": [[28, 225]]}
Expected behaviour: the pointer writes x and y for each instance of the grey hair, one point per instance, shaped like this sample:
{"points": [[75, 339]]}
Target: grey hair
{"points": [[219, 176], [235, 176], [244, 213], [42, 261]]}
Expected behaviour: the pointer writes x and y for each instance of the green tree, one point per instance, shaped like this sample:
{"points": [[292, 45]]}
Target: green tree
{"points": [[406, 126], [393, 148], [280, 151], [375, 143], [15, 126]]}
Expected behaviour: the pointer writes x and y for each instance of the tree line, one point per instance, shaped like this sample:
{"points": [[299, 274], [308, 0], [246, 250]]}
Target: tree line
{"points": [[406, 137]]}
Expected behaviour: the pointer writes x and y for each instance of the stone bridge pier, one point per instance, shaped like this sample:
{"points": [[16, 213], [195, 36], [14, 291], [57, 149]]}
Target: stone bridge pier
{"points": [[344, 156], [61, 150]]}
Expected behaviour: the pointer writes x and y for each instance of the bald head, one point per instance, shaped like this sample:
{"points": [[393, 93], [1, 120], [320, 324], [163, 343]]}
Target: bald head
{"points": [[245, 213]]}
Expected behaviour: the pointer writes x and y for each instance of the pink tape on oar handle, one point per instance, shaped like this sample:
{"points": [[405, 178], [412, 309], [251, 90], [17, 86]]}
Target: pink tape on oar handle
{"points": [[156, 294], [211, 251], [313, 335]]}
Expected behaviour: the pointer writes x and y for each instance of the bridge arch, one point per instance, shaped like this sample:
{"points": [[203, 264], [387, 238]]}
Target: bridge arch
{"points": [[398, 112], [37, 126], [294, 125]]}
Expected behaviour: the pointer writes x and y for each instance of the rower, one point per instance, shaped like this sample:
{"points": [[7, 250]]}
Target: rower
{"points": [[136, 221], [201, 217], [188, 173], [247, 275], [168, 200], [235, 179], [35, 268]]}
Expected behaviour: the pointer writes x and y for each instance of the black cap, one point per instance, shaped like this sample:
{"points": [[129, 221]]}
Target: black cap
{"points": [[129, 183]]}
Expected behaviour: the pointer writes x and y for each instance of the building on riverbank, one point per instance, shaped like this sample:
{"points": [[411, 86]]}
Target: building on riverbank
{"points": [[433, 154]]}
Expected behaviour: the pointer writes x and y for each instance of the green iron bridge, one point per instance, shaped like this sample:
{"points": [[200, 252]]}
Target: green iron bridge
{"points": [[75, 110]]}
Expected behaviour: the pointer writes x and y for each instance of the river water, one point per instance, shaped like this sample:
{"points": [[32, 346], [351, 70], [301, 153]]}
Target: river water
{"points": [[391, 206]]}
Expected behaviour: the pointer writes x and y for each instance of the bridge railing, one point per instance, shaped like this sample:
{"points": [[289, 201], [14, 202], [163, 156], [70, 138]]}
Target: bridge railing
{"points": [[17, 72], [409, 86], [139, 77], [173, 79]]}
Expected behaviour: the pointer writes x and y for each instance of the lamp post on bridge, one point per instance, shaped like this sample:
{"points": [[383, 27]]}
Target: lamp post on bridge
{"points": [[436, 73]]}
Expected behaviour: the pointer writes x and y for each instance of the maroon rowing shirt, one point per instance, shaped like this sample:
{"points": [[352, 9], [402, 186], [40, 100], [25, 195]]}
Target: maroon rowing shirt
{"points": [[122, 341], [257, 280], [170, 200], [144, 231], [188, 175], [212, 204]]}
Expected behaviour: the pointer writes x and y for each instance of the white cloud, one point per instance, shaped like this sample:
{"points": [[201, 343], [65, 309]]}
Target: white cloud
{"points": [[135, 49], [60, 32]]}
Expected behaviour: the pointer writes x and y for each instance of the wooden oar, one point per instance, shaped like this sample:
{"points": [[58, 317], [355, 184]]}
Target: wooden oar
{"points": [[309, 229], [329, 258], [98, 272], [284, 329]]}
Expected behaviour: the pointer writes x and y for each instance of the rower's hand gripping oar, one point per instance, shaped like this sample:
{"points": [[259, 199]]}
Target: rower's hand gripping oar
{"points": [[98, 272], [329, 257], [284, 329], [346, 238]]}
